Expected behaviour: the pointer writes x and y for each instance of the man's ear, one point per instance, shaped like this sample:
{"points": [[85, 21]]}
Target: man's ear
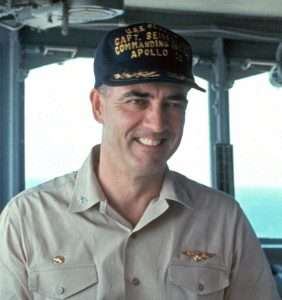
{"points": [[97, 103]]}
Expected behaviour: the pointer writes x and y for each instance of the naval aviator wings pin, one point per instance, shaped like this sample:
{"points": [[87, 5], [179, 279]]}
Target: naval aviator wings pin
{"points": [[197, 255]]}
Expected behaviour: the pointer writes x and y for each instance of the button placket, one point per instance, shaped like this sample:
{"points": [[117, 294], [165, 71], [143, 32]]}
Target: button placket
{"points": [[131, 268]]}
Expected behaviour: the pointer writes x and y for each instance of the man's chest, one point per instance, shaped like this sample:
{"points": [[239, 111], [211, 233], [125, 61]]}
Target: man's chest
{"points": [[100, 259]]}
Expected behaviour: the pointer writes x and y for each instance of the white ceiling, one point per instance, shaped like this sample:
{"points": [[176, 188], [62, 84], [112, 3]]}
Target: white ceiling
{"points": [[265, 8]]}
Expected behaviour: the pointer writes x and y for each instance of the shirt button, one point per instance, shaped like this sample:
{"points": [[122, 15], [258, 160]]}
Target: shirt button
{"points": [[133, 236], [135, 281], [60, 290], [201, 287]]}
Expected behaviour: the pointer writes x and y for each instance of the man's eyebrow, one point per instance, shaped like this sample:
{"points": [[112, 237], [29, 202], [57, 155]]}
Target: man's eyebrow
{"points": [[133, 93], [177, 97]]}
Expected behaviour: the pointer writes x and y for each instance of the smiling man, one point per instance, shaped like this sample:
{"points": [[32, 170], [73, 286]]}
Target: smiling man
{"points": [[124, 226], [142, 128]]}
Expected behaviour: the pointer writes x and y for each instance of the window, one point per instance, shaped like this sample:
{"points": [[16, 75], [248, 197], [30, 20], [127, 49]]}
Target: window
{"points": [[60, 129], [256, 133]]}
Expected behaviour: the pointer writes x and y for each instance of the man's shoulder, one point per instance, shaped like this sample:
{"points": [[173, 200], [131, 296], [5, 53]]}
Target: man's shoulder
{"points": [[201, 195], [57, 189]]}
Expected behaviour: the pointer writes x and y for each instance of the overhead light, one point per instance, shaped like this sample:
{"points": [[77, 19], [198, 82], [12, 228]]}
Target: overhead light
{"points": [[89, 11], [48, 14]]}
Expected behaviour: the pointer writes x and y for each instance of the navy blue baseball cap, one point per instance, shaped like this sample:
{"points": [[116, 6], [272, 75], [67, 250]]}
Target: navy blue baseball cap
{"points": [[141, 53]]}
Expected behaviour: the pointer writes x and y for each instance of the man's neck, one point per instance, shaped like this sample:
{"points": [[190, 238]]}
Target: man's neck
{"points": [[128, 193]]}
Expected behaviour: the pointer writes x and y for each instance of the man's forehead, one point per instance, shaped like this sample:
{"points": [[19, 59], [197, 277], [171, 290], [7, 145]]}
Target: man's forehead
{"points": [[152, 88]]}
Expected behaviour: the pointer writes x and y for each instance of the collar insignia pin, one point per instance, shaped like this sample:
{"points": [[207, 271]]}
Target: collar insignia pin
{"points": [[58, 259], [198, 256]]}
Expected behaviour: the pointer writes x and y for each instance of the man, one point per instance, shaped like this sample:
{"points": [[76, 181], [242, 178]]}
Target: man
{"points": [[124, 226]]}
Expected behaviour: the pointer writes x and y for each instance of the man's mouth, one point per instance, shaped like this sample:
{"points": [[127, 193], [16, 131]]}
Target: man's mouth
{"points": [[150, 142]]}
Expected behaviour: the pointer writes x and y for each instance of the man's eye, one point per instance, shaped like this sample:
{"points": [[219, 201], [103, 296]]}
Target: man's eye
{"points": [[175, 104], [138, 102]]}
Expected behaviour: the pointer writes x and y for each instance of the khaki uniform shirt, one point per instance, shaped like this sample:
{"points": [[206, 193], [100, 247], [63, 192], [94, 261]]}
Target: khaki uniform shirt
{"points": [[62, 240]]}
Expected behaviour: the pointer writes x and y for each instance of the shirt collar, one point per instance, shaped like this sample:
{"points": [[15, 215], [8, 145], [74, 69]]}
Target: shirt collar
{"points": [[173, 189], [87, 191]]}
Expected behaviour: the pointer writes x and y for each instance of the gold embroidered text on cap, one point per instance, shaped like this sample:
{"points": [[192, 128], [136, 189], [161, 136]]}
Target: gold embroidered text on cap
{"points": [[125, 75], [197, 255], [58, 259], [143, 53]]}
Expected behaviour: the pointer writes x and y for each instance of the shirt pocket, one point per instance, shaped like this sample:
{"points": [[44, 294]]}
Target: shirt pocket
{"points": [[63, 282], [192, 280]]}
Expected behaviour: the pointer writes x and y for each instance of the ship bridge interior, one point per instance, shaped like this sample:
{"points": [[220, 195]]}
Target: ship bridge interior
{"points": [[231, 40]]}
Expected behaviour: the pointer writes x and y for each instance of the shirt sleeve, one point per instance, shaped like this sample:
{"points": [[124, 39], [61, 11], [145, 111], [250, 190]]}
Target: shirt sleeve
{"points": [[251, 277], [13, 274]]}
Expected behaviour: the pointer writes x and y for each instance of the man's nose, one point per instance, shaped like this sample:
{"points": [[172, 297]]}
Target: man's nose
{"points": [[156, 119]]}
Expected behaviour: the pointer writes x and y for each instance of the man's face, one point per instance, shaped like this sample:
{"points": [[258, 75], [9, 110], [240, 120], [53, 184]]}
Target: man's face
{"points": [[142, 125]]}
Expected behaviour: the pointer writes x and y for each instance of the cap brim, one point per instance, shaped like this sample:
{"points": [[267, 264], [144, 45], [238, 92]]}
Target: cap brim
{"points": [[197, 87], [122, 82]]}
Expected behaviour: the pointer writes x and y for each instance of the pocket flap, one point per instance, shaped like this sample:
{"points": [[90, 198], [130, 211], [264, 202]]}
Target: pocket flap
{"points": [[61, 282], [198, 279]]}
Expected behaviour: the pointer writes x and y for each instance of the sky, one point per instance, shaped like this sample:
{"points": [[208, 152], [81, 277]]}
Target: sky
{"points": [[60, 129]]}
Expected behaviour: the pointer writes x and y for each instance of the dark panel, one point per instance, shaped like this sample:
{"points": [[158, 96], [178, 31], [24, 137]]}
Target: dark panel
{"points": [[11, 118], [244, 38]]}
